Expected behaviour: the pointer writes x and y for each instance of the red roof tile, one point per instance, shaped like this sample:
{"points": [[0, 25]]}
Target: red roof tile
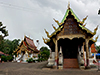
{"points": [[93, 49], [30, 42], [1, 52]]}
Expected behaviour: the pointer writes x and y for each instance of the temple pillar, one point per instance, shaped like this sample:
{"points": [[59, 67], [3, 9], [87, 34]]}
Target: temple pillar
{"points": [[56, 53], [83, 53], [87, 53]]}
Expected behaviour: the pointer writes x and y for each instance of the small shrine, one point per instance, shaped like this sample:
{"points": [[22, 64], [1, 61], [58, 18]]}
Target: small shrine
{"points": [[93, 52], [71, 42], [26, 50]]}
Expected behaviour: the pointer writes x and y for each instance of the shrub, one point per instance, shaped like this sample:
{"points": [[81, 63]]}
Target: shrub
{"points": [[4, 58], [10, 58], [30, 60]]}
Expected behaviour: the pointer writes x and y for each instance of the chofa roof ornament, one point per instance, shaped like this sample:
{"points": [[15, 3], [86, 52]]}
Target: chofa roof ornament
{"points": [[84, 20], [47, 33], [95, 30]]}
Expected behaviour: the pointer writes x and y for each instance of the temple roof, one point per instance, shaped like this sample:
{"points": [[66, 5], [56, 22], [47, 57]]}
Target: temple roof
{"points": [[77, 19], [80, 24], [28, 44], [1, 53], [93, 49]]}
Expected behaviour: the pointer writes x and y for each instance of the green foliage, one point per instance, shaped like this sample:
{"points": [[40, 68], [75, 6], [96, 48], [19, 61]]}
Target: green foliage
{"points": [[29, 60], [6, 58], [3, 31], [98, 48], [44, 53], [8, 46], [44, 48], [10, 58]]}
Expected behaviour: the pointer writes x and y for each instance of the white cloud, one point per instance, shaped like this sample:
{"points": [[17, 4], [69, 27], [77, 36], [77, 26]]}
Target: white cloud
{"points": [[30, 17]]}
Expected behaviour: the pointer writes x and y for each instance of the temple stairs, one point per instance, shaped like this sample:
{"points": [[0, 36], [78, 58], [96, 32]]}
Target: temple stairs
{"points": [[70, 63]]}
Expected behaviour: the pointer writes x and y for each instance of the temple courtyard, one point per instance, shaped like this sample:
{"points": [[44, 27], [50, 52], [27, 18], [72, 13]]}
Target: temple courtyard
{"points": [[9, 68]]}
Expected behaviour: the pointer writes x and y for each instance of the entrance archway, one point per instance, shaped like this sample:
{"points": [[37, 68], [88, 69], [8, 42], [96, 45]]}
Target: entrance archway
{"points": [[69, 47], [70, 51]]}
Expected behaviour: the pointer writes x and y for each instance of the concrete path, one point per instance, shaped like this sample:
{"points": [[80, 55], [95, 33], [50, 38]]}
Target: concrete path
{"points": [[39, 69]]}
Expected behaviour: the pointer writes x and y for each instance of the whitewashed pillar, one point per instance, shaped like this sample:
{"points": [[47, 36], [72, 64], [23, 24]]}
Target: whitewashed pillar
{"points": [[87, 53]]}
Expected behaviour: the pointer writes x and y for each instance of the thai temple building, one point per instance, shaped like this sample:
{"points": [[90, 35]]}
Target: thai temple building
{"points": [[26, 50], [71, 42]]}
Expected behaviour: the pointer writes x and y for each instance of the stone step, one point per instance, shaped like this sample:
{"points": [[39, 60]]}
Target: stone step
{"points": [[70, 63]]}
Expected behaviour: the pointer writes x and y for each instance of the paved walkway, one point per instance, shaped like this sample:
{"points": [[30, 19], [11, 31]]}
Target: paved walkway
{"points": [[38, 69]]}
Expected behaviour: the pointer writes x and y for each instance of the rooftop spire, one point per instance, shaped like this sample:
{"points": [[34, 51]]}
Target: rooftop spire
{"points": [[68, 5]]}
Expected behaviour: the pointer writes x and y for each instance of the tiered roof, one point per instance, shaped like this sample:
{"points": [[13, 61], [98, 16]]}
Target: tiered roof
{"points": [[28, 45], [80, 24]]}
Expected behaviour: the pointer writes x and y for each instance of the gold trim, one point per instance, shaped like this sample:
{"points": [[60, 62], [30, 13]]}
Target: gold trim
{"points": [[71, 36]]}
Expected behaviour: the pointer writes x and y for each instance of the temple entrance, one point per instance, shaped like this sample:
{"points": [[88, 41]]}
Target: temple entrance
{"points": [[70, 51], [69, 47]]}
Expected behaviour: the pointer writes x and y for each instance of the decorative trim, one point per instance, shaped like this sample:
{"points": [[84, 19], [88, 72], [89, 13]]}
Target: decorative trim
{"points": [[71, 36]]}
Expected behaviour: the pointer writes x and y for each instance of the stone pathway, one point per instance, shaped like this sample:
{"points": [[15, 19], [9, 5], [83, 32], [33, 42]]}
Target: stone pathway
{"points": [[39, 69]]}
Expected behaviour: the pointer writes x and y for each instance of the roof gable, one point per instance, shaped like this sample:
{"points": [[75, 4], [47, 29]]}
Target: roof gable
{"points": [[28, 45], [67, 13]]}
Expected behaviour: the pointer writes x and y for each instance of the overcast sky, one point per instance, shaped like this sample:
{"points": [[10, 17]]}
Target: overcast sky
{"points": [[31, 17]]}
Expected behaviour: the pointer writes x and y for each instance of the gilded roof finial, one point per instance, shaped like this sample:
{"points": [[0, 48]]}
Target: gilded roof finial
{"points": [[84, 19], [47, 33], [54, 27], [68, 5], [96, 38], [57, 22], [84, 25], [95, 30], [45, 40]]}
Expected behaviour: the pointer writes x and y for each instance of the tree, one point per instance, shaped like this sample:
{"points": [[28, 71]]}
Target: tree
{"points": [[3, 31], [44, 48], [44, 53], [9, 46], [98, 48]]}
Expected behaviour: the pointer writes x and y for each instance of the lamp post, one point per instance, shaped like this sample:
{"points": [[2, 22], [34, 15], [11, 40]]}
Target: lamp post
{"points": [[37, 43], [99, 12]]}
